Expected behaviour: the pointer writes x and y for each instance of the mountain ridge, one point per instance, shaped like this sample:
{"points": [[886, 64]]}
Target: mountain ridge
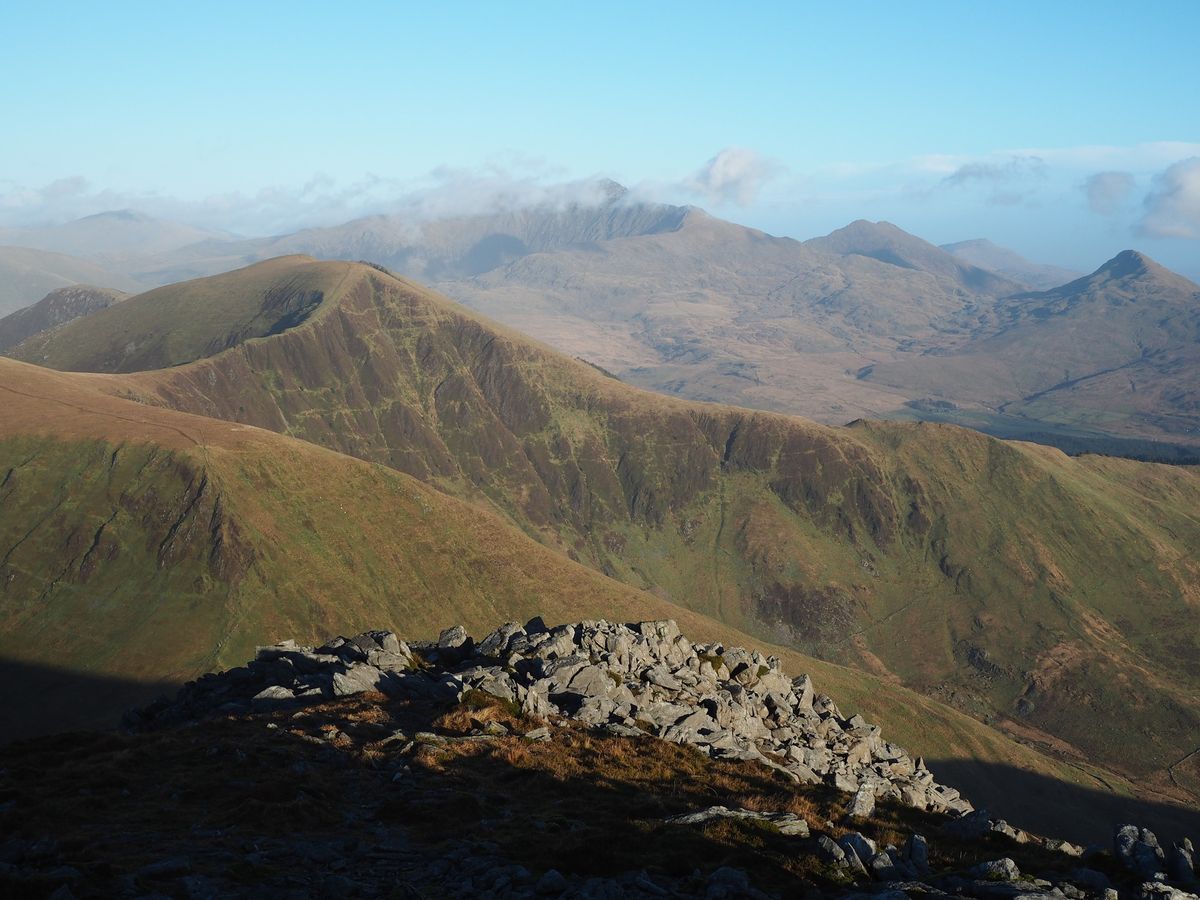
{"points": [[807, 534], [308, 536], [1120, 341]]}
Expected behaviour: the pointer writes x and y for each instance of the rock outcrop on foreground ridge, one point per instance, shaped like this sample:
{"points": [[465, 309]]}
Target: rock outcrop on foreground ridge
{"points": [[647, 677], [635, 680]]}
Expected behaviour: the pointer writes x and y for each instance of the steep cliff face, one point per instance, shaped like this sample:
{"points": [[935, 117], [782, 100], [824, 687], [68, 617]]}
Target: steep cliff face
{"points": [[391, 374]]}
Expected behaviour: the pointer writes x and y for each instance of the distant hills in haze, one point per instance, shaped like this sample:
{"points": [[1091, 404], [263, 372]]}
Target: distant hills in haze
{"points": [[116, 236], [1009, 264], [27, 275], [868, 321], [1120, 346], [57, 308]]}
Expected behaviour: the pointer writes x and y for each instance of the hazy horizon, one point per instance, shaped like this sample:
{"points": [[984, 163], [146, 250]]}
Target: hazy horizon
{"points": [[1038, 130]]}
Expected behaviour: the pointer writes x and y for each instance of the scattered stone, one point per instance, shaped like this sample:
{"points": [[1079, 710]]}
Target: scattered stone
{"points": [[1089, 878], [727, 883], [1157, 890], [552, 884], [862, 806], [916, 851], [854, 842], [787, 823], [274, 693], [997, 870], [830, 851], [166, 868]]}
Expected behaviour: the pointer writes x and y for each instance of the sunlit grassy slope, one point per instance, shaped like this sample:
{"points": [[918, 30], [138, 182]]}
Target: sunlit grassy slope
{"points": [[148, 545], [1051, 597]]}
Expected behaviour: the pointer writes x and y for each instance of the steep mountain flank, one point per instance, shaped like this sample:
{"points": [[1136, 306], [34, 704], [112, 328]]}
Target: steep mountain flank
{"points": [[56, 308], [1016, 583], [267, 536], [868, 321]]}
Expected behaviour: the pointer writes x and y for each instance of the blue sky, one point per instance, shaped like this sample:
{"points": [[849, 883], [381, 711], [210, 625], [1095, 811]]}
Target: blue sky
{"points": [[953, 120]]}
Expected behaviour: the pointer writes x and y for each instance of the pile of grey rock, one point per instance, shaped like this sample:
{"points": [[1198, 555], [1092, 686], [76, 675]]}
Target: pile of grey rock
{"points": [[646, 677], [731, 703]]}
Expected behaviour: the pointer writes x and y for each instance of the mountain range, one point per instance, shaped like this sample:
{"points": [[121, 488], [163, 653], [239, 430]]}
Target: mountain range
{"points": [[303, 445], [1117, 348], [869, 321]]}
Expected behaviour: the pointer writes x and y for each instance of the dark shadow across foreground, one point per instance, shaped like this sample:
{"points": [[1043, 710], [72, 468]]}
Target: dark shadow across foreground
{"points": [[1058, 808], [37, 700]]}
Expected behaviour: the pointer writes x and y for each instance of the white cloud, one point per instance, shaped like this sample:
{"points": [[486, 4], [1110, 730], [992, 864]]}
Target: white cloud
{"points": [[735, 175], [1173, 206], [322, 200], [1015, 168], [1107, 191]]}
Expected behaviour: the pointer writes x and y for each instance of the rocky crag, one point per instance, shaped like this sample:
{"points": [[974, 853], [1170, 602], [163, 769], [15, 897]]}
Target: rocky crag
{"points": [[628, 682], [630, 679]]}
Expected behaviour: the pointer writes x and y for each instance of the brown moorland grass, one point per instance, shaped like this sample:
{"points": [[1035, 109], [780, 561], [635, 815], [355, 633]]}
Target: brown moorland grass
{"points": [[256, 800]]}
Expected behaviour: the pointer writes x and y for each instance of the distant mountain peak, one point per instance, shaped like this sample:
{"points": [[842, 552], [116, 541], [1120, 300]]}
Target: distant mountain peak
{"points": [[1129, 272], [976, 243], [1129, 262], [860, 226], [613, 191], [121, 215]]}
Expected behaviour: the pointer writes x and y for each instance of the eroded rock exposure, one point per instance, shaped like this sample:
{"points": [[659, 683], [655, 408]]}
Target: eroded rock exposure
{"points": [[730, 702]]}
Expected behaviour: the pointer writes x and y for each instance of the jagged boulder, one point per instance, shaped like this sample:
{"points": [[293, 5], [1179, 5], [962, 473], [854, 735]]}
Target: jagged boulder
{"points": [[1138, 850], [1182, 867], [997, 870]]}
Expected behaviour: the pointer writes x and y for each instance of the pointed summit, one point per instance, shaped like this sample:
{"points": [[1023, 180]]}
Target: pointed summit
{"points": [[1128, 263], [612, 191], [890, 244], [1129, 270]]}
